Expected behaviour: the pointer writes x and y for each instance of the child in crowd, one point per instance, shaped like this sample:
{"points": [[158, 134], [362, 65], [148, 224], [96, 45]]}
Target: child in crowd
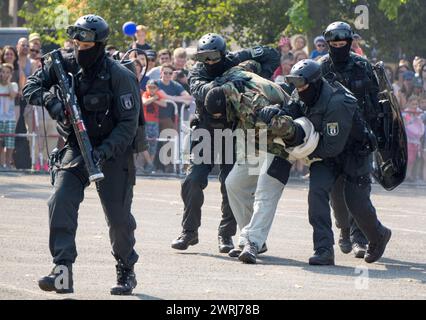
{"points": [[415, 130], [153, 98], [8, 92]]}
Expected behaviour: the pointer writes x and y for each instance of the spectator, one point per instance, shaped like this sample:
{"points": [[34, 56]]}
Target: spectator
{"points": [[320, 48], [299, 55], [286, 63], [8, 92], [423, 76], [9, 55], [35, 40], [399, 79], [181, 77], [415, 130], [356, 47], [299, 43], [180, 74], [389, 72], [418, 64], [150, 64], [140, 36], [407, 88], [404, 62], [164, 56], [26, 69], [174, 92], [153, 99], [179, 58], [138, 67], [284, 46], [35, 51], [24, 62], [111, 50]]}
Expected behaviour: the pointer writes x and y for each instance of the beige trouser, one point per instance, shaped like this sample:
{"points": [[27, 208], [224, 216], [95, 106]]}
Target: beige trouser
{"points": [[253, 197]]}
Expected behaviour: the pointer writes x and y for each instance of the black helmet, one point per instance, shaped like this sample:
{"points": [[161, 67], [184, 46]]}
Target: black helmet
{"points": [[211, 47], [304, 72], [211, 42], [338, 31], [89, 28]]}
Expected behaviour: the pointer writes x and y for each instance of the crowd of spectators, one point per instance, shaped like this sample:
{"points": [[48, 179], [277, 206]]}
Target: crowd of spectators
{"points": [[165, 89]]}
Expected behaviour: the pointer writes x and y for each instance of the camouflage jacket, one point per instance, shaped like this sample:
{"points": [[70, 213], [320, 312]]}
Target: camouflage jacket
{"points": [[241, 108]]}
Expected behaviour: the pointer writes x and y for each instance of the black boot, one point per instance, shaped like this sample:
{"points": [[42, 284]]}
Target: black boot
{"points": [[186, 239], [376, 250], [322, 257], [234, 253], [249, 253], [59, 280], [126, 281], [345, 244], [359, 250], [225, 244]]}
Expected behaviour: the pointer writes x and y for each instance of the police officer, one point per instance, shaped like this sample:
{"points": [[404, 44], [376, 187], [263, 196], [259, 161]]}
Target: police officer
{"points": [[108, 95], [257, 179], [356, 74], [213, 60], [343, 152]]}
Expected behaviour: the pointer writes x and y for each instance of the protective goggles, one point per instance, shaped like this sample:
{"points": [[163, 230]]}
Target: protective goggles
{"points": [[208, 56], [297, 81], [338, 35], [81, 34]]}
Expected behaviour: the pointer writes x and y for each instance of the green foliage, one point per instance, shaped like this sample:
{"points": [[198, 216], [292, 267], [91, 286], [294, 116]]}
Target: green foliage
{"points": [[393, 23], [298, 14], [390, 7]]}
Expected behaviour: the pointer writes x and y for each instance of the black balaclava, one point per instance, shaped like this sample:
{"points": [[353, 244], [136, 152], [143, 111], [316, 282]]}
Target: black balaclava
{"points": [[311, 95], [215, 102], [87, 58], [216, 69], [340, 55]]}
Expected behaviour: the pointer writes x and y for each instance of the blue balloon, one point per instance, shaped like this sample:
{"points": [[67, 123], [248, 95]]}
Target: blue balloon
{"points": [[129, 28]]}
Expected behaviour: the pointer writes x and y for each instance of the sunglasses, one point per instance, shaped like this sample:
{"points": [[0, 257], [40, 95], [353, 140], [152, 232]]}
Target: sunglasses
{"points": [[338, 35], [212, 56], [321, 45], [169, 73], [297, 81], [81, 34], [34, 50]]}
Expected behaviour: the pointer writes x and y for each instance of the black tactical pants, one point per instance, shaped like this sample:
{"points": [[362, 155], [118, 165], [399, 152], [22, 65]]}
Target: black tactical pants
{"points": [[356, 192], [116, 194], [344, 219], [193, 197]]}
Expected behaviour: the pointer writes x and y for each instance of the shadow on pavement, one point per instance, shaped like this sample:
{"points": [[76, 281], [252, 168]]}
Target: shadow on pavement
{"points": [[142, 296]]}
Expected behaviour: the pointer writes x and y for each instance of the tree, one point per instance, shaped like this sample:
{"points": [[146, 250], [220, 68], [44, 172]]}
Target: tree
{"points": [[393, 24]]}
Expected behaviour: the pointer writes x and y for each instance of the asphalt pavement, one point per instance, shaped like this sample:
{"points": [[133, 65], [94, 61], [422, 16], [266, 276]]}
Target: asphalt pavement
{"points": [[201, 272]]}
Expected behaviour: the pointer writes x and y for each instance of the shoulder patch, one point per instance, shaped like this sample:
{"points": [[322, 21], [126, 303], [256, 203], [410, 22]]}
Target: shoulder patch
{"points": [[256, 51], [333, 129], [127, 101]]}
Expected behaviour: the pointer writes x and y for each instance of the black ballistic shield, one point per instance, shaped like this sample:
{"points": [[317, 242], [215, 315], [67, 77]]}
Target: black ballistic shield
{"points": [[390, 158]]}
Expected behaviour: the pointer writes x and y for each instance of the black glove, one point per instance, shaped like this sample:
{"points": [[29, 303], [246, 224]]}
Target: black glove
{"points": [[55, 108], [98, 157], [195, 121], [267, 113], [240, 83]]}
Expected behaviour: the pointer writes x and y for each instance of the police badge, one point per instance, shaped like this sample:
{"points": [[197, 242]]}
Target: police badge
{"points": [[333, 129], [127, 102]]}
